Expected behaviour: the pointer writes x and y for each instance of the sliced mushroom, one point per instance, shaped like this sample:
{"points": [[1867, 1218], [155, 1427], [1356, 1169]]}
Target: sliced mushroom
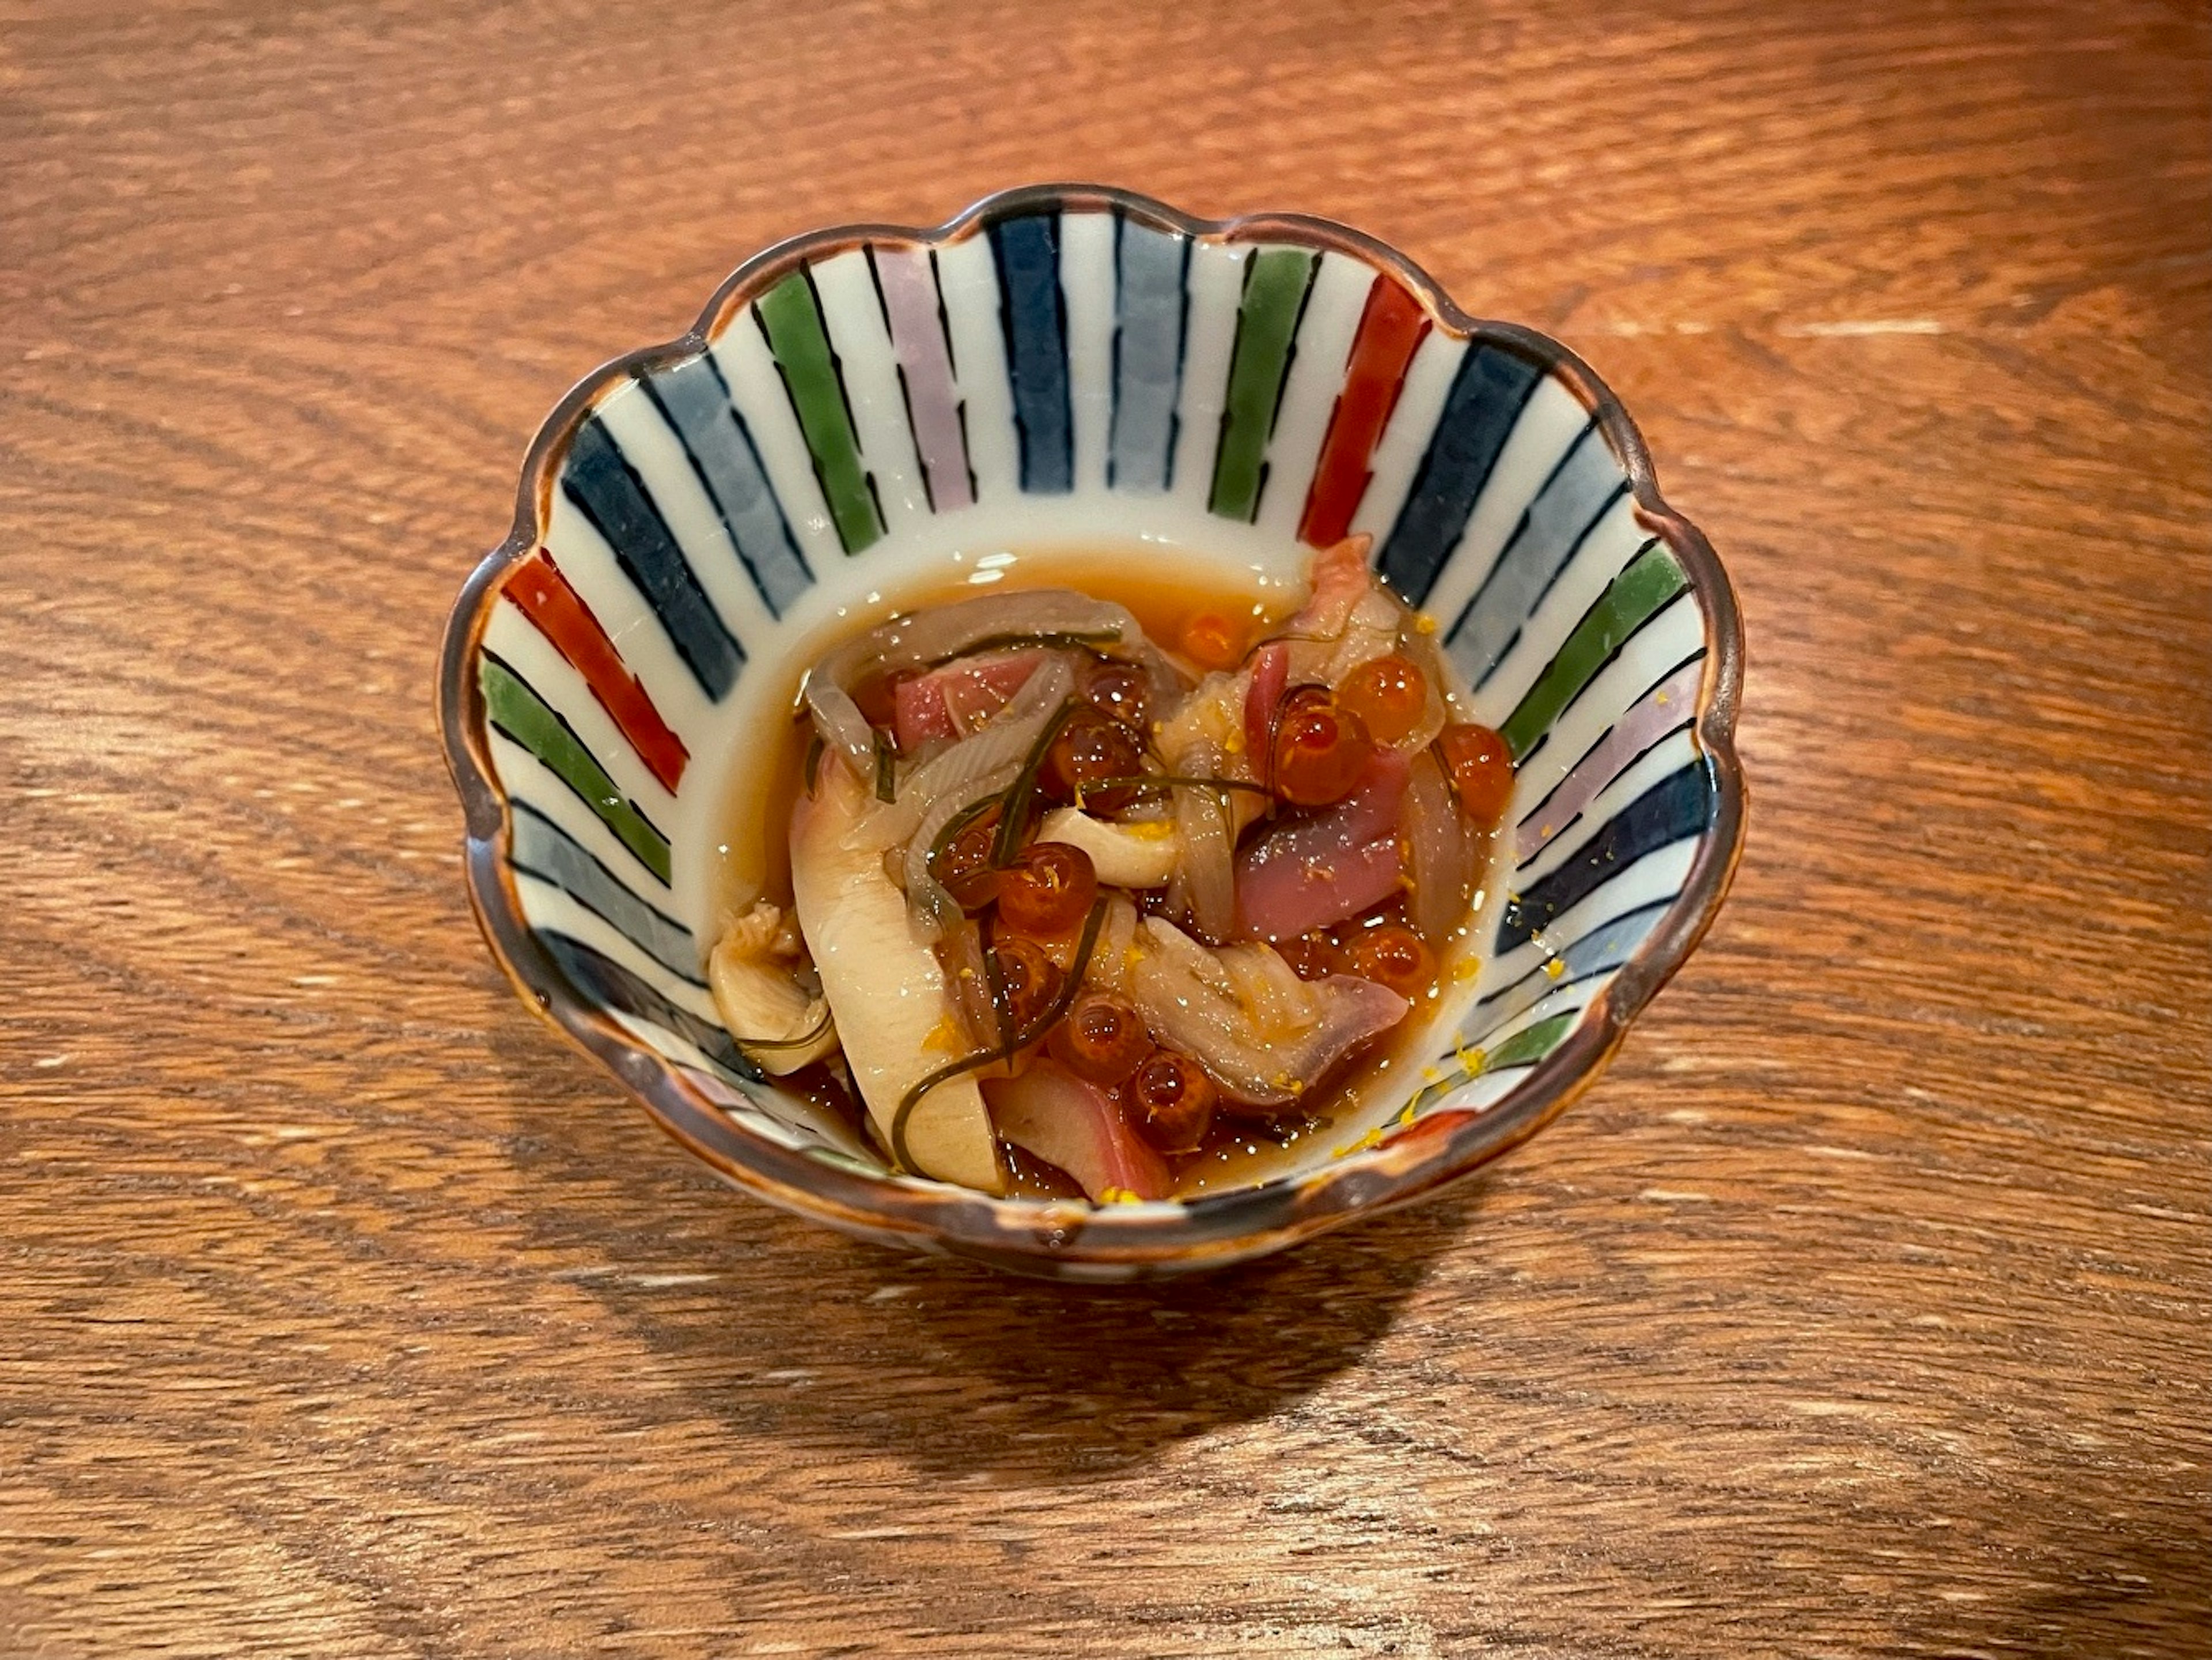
{"points": [[769, 1014], [1125, 856]]}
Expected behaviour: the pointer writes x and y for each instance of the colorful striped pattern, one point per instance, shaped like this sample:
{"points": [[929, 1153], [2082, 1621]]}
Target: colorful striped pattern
{"points": [[543, 595], [866, 391], [516, 712]]}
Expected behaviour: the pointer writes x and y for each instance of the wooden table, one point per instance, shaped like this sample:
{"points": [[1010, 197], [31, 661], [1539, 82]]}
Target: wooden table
{"points": [[1861, 1309]]}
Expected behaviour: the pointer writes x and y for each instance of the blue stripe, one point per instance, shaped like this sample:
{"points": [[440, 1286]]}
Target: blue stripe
{"points": [[603, 981], [607, 490], [1487, 395], [1552, 528], [696, 401], [1601, 951], [1148, 344], [1028, 252], [1677, 806], [542, 850]]}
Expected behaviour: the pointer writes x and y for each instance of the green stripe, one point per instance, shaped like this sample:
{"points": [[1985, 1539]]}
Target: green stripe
{"points": [[802, 351], [1273, 295], [1651, 580], [530, 720], [1518, 1050], [1532, 1044]]}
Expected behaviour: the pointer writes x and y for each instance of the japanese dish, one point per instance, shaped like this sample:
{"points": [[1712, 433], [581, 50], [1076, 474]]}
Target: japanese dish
{"points": [[1081, 905]]}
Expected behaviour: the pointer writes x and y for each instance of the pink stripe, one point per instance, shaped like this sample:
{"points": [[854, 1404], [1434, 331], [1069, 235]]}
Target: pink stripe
{"points": [[1662, 708], [910, 298]]}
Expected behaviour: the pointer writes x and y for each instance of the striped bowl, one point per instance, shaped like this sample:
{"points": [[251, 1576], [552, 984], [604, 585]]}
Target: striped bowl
{"points": [[860, 412]]}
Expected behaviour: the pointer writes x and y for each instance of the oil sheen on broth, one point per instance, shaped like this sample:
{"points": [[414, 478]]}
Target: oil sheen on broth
{"points": [[1328, 655]]}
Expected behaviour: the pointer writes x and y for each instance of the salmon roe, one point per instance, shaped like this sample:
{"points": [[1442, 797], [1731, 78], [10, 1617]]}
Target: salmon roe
{"points": [[1320, 749], [963, 865], [1103, 1038], [1031, 980], [1212, 640], [1393, 956], [1481, 769], [1118, 690], [1174, 1101], [1091, 747], [1047, 891], [1389, 694]]}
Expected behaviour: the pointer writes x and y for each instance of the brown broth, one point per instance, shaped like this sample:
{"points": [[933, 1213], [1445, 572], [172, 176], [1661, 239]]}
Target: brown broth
{"points": [[755, 853], [1237, 1153], [1242, 1152]]}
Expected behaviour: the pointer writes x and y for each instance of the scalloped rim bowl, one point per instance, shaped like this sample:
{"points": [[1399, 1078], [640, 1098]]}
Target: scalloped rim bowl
{"points": [[858, 398]]}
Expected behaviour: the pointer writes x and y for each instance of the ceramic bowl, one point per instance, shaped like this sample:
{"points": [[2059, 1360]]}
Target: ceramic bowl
{"points": [[860, 412]]}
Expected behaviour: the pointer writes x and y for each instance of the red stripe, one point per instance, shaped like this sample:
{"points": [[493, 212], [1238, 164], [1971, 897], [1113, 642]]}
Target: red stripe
{"points": [[543, 595], [1389, 329]]}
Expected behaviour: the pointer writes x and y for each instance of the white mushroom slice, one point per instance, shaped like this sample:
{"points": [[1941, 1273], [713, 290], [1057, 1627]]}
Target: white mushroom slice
{"points": [[895, 1015], [768, 1014], [1138, 856], [762, 931]]}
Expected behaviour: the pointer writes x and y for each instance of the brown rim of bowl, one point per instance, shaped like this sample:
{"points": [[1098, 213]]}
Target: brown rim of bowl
{"points": [[1046, 1238]]}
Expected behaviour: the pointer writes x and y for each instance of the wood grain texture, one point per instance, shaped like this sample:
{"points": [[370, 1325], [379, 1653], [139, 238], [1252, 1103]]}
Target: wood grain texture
{"points": [[1864, 1308]]}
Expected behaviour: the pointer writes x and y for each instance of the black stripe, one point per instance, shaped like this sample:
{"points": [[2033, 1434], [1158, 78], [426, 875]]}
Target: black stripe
{"points": [[603, 981], [1488, 393], [1561, 569], [582, 902], [1114, 356], [1677, 806], [943, 320], [1034, 313], [1182, 362], [607, 490], [1142, 246]]}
